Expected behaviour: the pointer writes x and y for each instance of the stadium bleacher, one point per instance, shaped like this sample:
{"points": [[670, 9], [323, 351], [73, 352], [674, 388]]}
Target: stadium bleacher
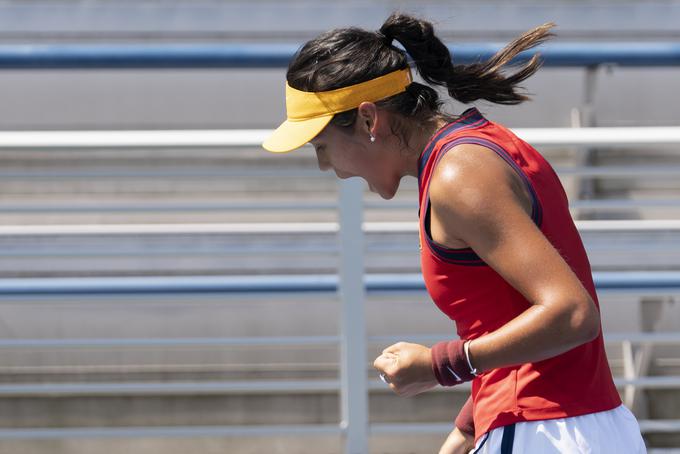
{"points": [[120, 353]]}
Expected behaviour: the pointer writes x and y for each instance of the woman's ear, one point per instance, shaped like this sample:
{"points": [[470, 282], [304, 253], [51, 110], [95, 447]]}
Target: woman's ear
{"points": [[367, 118]]}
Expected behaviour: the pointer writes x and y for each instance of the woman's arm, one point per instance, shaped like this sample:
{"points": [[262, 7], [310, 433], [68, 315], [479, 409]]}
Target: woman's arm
{"points": [[479, 201], [457, 442], [461, 440]]}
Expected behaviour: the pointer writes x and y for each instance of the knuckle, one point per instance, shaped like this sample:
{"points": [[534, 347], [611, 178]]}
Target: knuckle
{"points": [[392, 370]]}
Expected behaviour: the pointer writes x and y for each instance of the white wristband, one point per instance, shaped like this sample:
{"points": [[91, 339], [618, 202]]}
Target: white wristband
{"points": [[466, 347]]}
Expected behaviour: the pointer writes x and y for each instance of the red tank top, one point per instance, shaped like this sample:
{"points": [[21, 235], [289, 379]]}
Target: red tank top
{"points": [[480, 301]]}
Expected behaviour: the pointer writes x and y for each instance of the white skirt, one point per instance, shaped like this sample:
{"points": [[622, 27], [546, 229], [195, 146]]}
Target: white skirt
{"points": [[614, 431]]}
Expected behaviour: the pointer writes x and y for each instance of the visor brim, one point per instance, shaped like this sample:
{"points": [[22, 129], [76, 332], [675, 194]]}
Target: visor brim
{"points": [[294, 134]]}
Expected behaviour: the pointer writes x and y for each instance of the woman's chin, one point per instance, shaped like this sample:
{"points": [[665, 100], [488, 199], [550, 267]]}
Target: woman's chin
{"points": [[384, 193]]}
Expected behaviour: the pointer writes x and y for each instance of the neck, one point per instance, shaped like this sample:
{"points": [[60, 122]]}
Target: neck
{"points": [[420, 136]]}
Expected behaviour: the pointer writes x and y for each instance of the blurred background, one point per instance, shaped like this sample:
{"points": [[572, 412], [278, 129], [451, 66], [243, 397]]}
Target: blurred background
{"points": [[168, 286]]}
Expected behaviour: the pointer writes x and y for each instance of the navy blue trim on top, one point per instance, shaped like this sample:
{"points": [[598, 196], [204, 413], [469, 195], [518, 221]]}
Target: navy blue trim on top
{"points": [[463, 256], [467, 119]]}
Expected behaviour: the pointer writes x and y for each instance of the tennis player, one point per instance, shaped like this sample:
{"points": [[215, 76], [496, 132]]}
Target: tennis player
{"points": [[499, 250]]}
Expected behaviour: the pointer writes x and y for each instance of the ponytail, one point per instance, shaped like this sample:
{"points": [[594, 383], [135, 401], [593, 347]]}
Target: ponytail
{"points": [[466, 83], [346, 56]]}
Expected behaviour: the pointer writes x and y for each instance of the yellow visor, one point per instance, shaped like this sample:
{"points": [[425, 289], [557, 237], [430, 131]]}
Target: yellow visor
{"points": [[309, 112]]}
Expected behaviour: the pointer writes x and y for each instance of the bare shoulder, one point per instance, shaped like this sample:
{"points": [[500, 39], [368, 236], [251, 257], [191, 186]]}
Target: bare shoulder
{"points": [[472, 180]]}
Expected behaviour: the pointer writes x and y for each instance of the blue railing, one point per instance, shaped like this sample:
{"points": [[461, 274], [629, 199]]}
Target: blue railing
{"points": [[128, 56], [640, 281]]}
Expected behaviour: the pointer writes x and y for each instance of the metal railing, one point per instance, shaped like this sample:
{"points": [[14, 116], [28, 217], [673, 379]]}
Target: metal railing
{"points": [[105, 56], [621, 137]]}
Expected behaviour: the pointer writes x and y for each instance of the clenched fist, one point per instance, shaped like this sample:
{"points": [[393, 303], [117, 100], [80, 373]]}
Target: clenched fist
{"points": [[407, 368]]}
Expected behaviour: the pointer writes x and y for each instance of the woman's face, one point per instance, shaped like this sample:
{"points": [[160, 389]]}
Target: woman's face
{"points": [[349, 152]]}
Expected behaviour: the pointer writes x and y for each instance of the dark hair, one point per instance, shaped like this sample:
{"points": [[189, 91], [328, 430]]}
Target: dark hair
{"points": [[347, 56]]}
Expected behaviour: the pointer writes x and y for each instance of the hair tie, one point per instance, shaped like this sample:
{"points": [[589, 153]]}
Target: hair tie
{"points": [[387, 40]]}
